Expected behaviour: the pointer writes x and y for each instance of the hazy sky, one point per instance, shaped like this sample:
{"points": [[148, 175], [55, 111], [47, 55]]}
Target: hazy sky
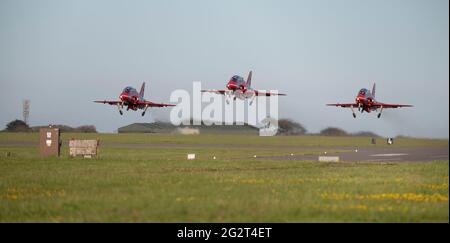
{"points": [[63, 54]]}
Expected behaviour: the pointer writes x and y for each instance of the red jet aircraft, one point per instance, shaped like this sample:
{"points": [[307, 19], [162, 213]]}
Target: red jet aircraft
{"points": [[365, 101], [238, 88], [132, 100]]}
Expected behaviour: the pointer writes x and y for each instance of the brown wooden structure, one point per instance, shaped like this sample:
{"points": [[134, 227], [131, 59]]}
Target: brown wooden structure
{"points": [[49, 142]]}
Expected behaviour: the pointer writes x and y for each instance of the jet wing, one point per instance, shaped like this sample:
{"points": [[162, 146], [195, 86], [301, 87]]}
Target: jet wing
{"points": [[384, 105], [261, 93], [216, 91], [344, 105], [152, 104], [111, 102]]}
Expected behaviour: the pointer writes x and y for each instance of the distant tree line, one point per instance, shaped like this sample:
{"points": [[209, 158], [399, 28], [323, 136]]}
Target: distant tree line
{"points": [[290, 127], [17, 126], [21, 126], [286, 127], [335, 131]]}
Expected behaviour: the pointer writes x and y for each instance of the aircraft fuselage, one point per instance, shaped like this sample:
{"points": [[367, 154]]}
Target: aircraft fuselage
{"points": [[239, 88], [130, 98], [364, 99]]}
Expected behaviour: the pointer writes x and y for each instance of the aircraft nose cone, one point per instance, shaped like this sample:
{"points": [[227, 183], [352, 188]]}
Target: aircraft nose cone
{"points": [[123, 97], [231, 86]]}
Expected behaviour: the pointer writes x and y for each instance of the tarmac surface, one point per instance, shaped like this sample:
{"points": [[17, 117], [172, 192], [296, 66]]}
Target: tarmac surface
{"points": [[381, 154]]}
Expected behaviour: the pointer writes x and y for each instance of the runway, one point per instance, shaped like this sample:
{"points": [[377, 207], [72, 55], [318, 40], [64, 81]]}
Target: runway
{"points": [[380, 154]]}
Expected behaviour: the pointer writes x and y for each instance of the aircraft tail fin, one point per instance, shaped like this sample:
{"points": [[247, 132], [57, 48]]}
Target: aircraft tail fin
{"points": [[141, 93], [373, 90], [249, 79]]}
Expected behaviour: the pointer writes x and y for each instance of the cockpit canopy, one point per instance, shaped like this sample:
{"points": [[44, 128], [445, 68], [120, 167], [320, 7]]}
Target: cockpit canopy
{"points": [[127, 89], [363, 92], [237, 79]]}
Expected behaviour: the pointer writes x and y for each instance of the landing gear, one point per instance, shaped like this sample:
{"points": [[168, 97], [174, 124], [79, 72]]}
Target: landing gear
{"points": [[353, 112], [379, 114], [228, 96], [143, 113], [120, 106], [252, 99]]}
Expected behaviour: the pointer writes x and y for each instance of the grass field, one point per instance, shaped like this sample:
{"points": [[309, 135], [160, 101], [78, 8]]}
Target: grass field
{"points": [[158, 184]]}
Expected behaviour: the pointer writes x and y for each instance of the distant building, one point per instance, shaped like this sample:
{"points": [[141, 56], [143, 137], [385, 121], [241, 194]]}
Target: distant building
{"points": [[156, 127], [168, 128]]}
